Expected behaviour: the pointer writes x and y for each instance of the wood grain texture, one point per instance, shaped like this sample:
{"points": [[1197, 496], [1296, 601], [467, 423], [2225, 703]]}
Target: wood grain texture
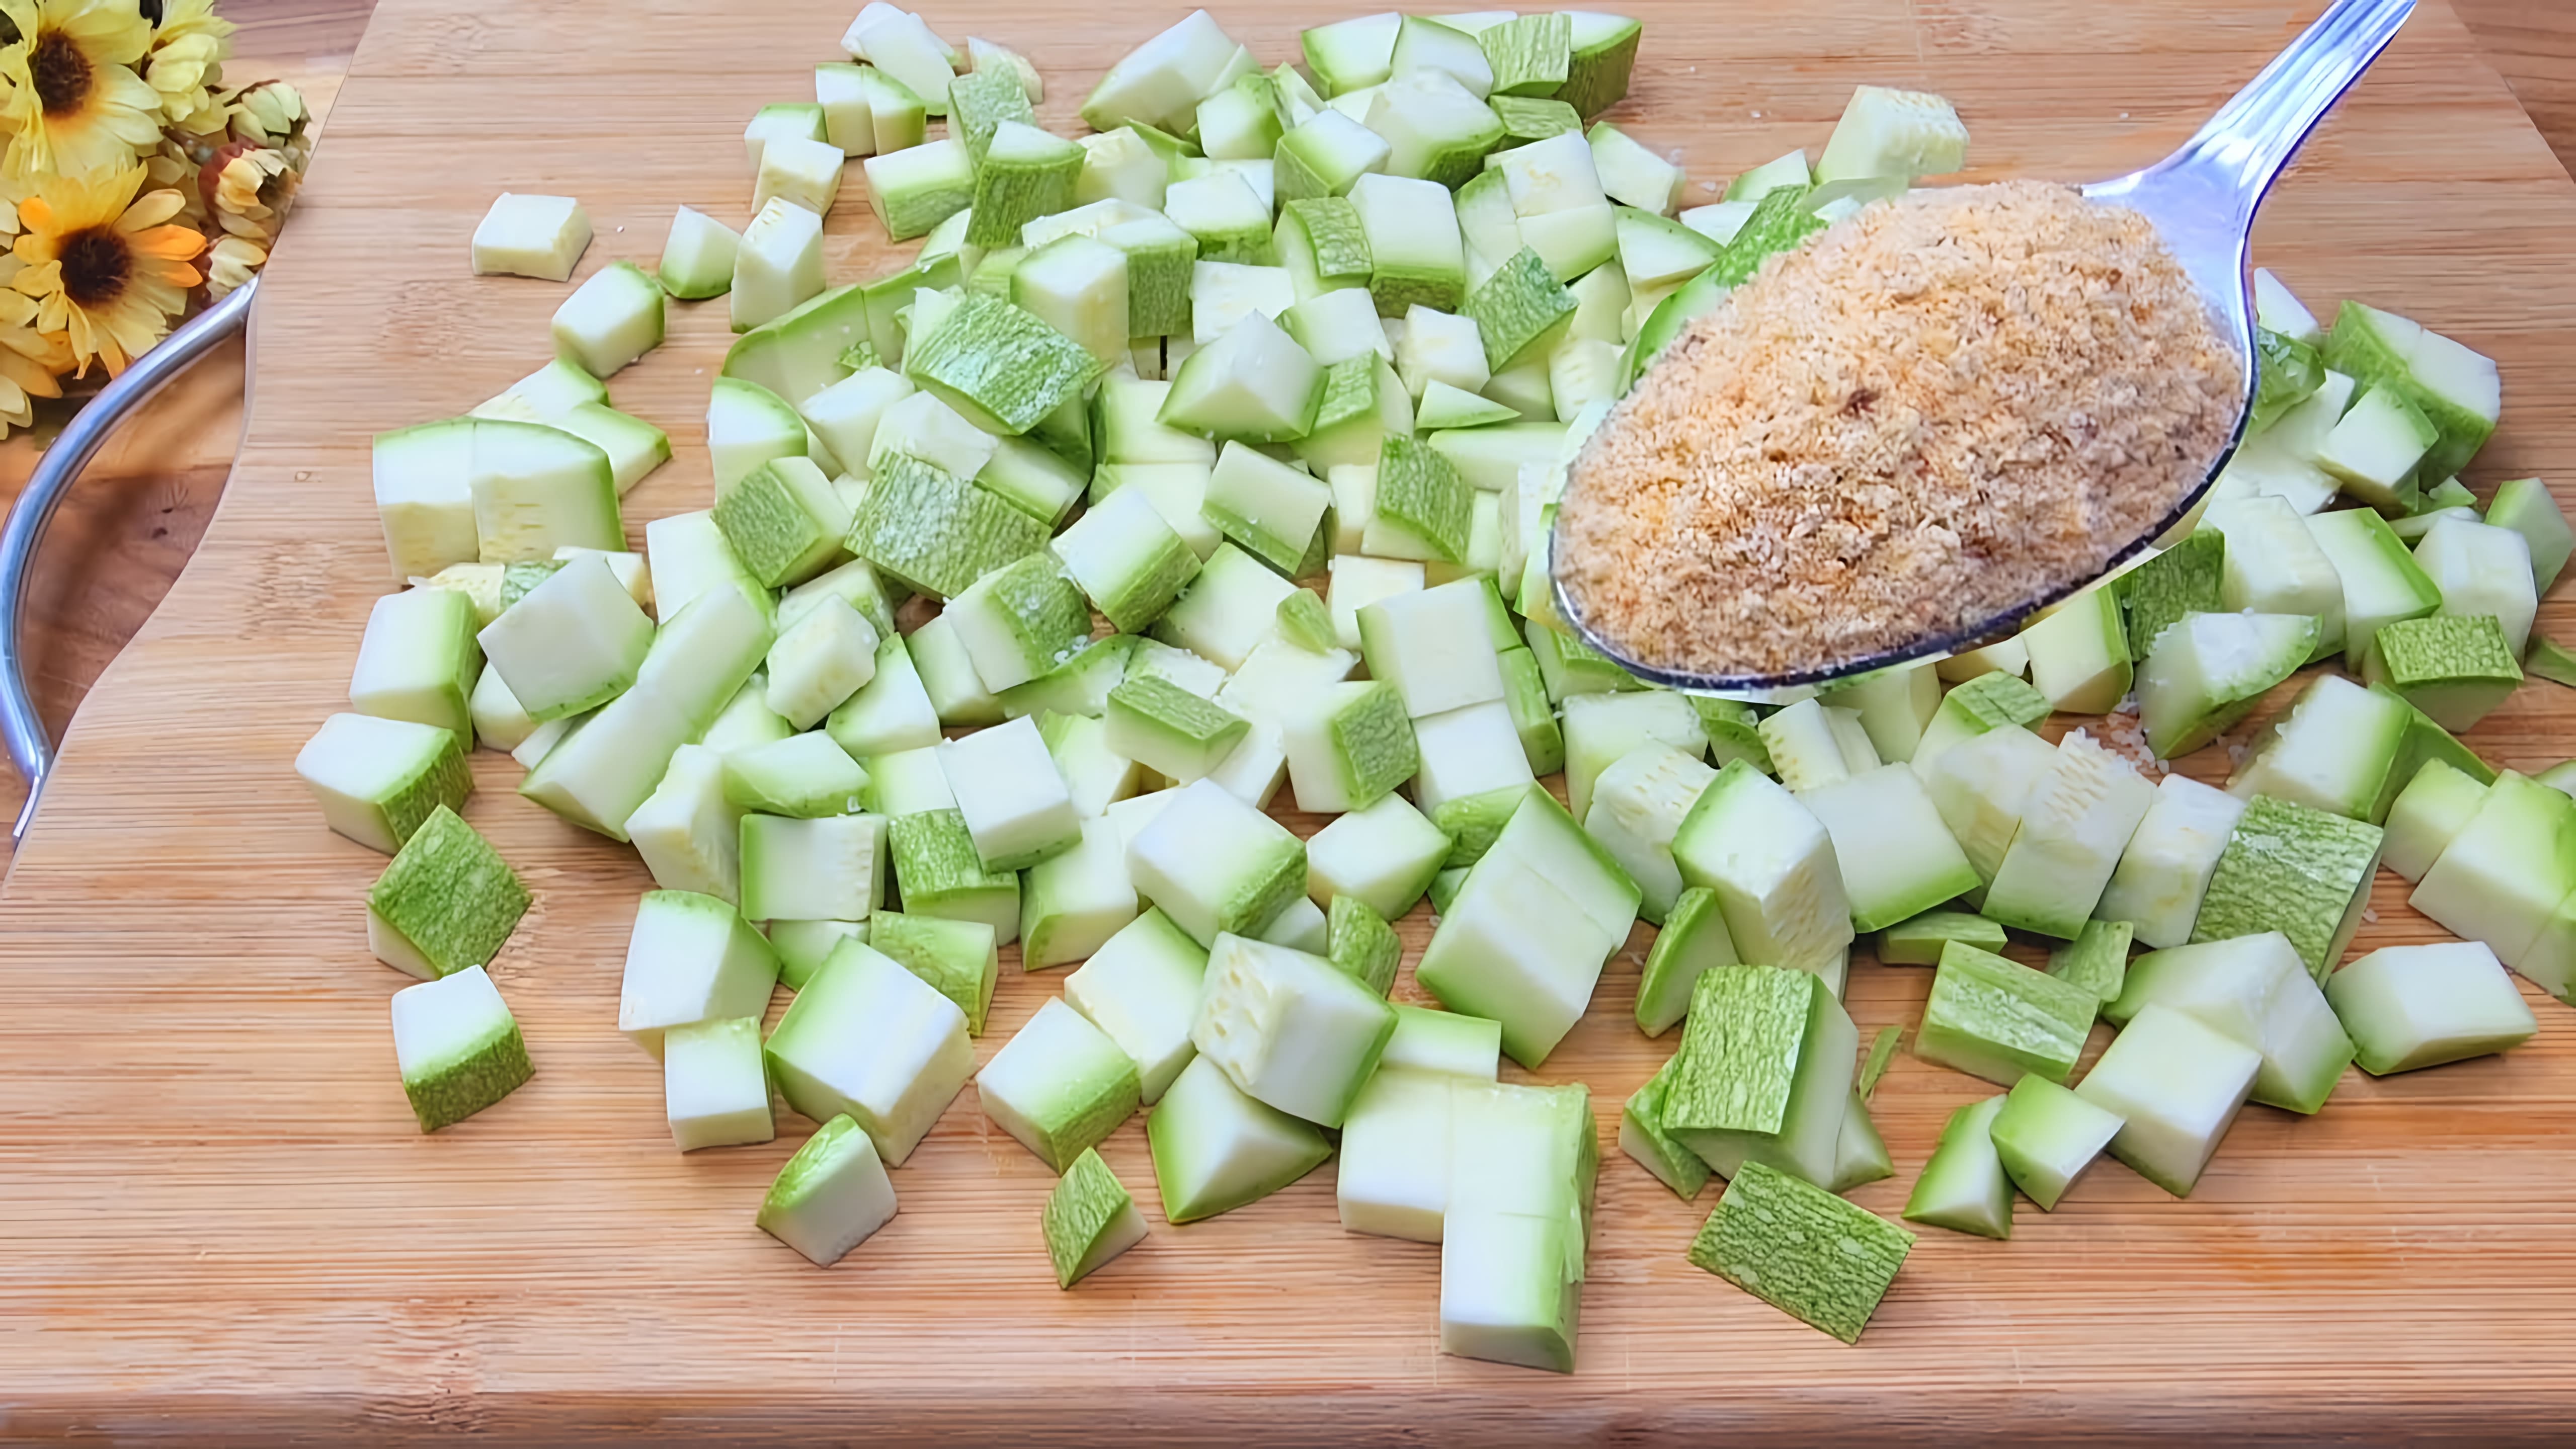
{"points": [[218, 1224], [125, 532], [2532, 44]]}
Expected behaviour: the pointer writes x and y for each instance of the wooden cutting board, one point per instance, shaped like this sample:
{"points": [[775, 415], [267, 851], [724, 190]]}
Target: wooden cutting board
{"points": [[218, 1223]]}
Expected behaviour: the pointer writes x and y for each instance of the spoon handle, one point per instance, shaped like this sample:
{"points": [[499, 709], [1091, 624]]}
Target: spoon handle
{"points": [[2243, 147]]}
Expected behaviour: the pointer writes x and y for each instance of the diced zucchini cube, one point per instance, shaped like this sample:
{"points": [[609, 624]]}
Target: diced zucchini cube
{"points": [[1089, 1219], [378, 780], [1997, 1019], [1468, 751], [1772, 866], [1964, 1187], [2410, 1007], [446, 901], [1216, 865], [2428, 814], [1059, 1085], [714, 1090], [1077, 899], [831, 1196], [691, 959], [531, 236], [939, 873], [2078, 821], [1384, 855], [1693, 941], [1416, 255], [2251, 989], [1897, 857], [803, 777], [1252, 382], [2455, 669], [419, 661], [2176, 1085], [871, 1040], [1920, 940], [457, 1046], [823, 869], [2296, 870]]}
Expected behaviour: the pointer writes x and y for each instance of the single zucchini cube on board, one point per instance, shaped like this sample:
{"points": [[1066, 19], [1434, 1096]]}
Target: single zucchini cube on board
{"points": [[918, 187], [778, 266], [2207, 670], [871, 1040], [691, 959], [2097, 959], [1019, 621], [537, 489], [445, 902], [378, 780], [605, 764], [2256, 990], [1169, 730], [1444, 1043], [1384, 856], [830, 868], [1059, 1085], [1014, 801], [1998, 1019], [2176, 1085], [2428, 814], [1897, 857], [2481, 569], [2079, 819], [2339, 749], [573, 643], [1089, 1219], [1802, 1250], [1141, 988], [1764, 1072], [957, 957], [803, 946], [1215, 865], [1126, 559], [939, 873], [1511, 1288], [1395, 1156], [1350, 748], [1000, 366], [831, 1196], [2164, 873], [1642, 1136], [2047, 1136], [1520, 312], [698, 256], [819, 662], [419, 661], [2524, 505], [1518, 945], [2296, 870], [2504, 879], [612, 319], [1416, 255], [715, 1091], [2454, 669], [424, 496], [1919, 940], [1433, 645], [1216, 1149], [1252, 383], [1077, 899], [1693, 940], [1424, 509], [1361, 945], [531, 236], [458, 1047], [1964, 1187], [1288, 1028], [1303, 927], [2410, 1007], [1772, 866]]}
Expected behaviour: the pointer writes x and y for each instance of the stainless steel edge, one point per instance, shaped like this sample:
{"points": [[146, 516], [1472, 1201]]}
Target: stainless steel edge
{"points": [[22, 731]]}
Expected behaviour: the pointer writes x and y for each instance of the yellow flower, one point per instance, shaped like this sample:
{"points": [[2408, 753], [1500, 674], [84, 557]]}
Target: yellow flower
{"points": [[102, 265], [230, 262], [176, 165], [252, 191], [186, 64], [30, 361], [73, 103], [272, 115]]}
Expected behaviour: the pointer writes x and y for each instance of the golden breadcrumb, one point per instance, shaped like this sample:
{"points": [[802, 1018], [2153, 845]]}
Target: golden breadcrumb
{"points": [[1940, 410]]}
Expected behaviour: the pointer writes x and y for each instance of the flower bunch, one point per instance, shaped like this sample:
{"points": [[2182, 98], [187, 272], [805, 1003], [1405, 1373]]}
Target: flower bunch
{"points": [[131, 177]]}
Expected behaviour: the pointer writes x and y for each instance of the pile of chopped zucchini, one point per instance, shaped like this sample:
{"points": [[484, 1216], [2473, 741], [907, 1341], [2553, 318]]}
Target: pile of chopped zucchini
{"points": [[1211, 454]]}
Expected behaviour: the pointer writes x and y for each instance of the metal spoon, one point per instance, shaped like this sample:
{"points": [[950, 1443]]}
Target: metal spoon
{"points": [[2202, 201]]}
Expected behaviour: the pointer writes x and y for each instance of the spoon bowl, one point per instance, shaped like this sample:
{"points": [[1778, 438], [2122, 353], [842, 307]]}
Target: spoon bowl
{"points": [[2201, 201]]}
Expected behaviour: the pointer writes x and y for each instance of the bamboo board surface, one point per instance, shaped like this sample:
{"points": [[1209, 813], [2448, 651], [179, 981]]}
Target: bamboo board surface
{"points": [[217, 1221]]}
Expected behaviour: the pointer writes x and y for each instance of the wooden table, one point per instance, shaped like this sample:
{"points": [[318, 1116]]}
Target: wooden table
{"points": [[216, 1221]]}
